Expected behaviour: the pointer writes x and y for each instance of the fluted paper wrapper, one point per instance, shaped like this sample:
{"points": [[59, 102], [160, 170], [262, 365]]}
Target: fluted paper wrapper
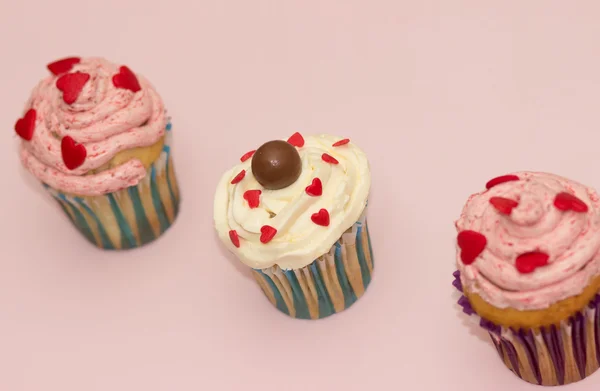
{"points": [[130, 217], [330, 284], [549, 356]]}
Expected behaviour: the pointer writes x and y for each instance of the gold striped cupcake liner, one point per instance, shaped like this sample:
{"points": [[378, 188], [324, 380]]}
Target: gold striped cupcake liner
{"points": [[329, 285]]}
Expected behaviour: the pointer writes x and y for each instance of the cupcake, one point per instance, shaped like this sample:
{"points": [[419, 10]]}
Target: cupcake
{"points": [[528, 272], [97, 136], [294, 212]]}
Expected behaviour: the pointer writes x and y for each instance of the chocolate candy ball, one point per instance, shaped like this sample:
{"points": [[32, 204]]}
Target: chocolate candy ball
{"points": [[276, 165]]}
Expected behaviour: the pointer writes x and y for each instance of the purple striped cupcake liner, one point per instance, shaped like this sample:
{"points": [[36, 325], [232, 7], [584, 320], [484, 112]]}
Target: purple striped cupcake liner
{"points": [[549, 356]]}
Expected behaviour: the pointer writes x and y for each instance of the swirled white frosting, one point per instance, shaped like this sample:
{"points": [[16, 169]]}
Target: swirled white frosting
{"points": [[299, 241]]}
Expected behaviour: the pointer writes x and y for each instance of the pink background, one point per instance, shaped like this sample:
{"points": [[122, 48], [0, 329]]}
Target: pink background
{"points": [[441, 95]]}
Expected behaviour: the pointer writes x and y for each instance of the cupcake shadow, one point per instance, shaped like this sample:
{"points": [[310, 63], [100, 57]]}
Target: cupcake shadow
{"points": [[232, 259], [34, 185], [474, 328]]}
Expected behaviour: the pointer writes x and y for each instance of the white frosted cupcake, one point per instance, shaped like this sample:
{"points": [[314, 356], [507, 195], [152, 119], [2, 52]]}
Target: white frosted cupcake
{"points": [[294, 211]]}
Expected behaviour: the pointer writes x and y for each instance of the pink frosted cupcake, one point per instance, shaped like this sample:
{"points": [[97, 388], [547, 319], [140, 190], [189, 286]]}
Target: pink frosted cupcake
{"points": [[529, 273], [97, 136]]}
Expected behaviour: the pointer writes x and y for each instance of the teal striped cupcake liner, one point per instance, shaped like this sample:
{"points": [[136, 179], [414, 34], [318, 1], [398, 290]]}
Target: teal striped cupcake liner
{"points": [[130, 217], [329, 285]]}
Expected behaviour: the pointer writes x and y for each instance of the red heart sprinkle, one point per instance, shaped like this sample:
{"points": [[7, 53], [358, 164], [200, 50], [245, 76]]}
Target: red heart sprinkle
{"points": [[247, 155], [341, 142], [63, 65], [126, 79], [566, 201], [471, 244], [267, 233], [238, 177], [315, 189], [235, 239], [321, 218], [73, 154], [296, 140], [528, 262], [71, 85], [26, 125], [329, 159], [501, 179], [503, 205], [253, 198]]}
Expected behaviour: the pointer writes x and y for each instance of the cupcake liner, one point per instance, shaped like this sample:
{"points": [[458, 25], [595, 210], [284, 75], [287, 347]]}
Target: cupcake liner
{"points": [[130, 217], [550, 356], [330, 284]]}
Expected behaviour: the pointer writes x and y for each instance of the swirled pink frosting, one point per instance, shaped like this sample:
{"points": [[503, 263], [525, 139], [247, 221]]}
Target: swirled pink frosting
{"points": [[104, 118], [571, 240]]}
